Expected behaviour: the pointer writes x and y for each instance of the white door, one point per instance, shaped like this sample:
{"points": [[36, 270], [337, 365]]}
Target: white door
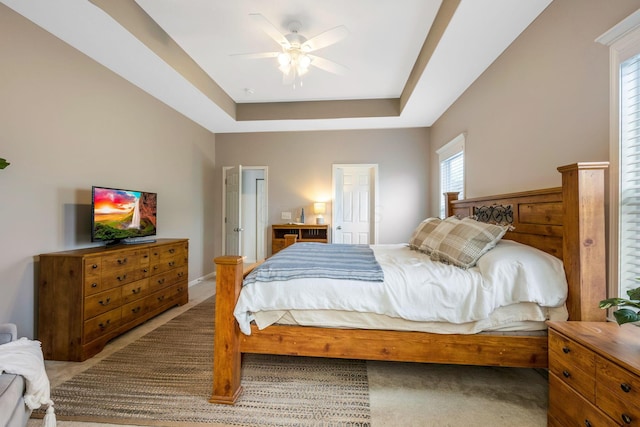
{"points": [[354, 202], [233, 211], [244, 210], [261, 219]]}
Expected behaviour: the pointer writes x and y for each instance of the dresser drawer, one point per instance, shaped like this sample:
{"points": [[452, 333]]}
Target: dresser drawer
{"points": [[101, 303], [122, 276], [135, 290], [573, 364], [134, 260], [101, 325], [133, 310], [169, 278], [92, 276], [618, 392], [568, 408]]}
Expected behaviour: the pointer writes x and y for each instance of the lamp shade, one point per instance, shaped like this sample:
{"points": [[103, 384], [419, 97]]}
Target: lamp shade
{"points": [[319, 208]]}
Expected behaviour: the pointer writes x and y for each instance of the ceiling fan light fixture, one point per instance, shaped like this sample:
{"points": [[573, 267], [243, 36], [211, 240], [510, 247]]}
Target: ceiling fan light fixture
{"points": [[304, 61], [284, 59]]}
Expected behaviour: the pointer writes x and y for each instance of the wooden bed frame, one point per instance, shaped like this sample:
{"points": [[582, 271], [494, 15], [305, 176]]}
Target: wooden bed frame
{"points": [[567, 222]]}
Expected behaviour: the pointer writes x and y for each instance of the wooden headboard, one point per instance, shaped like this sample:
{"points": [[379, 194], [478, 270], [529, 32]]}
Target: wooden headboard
{"points": [[567, 222]]}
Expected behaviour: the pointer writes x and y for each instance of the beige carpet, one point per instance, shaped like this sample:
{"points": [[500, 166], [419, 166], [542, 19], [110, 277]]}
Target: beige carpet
{"points": [[165, 379]]}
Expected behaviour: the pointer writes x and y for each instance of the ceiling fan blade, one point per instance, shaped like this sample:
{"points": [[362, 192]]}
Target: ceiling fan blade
{"points": [[326, 65], [325, 39], [256, 55], [270, 29]]}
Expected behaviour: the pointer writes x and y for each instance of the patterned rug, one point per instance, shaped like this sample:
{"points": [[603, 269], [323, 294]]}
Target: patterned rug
{"points": [[165, 378]]}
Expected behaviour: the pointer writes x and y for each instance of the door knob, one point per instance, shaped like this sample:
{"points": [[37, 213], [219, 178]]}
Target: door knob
{"points": [[339, 227]]}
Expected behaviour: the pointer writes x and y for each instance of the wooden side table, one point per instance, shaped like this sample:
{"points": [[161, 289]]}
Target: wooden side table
{"points": [[594, 374]]}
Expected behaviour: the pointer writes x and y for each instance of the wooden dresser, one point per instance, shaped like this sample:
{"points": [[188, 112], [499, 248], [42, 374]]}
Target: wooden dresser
{"points": [[304, 233], [86, 297], [594, 374]]}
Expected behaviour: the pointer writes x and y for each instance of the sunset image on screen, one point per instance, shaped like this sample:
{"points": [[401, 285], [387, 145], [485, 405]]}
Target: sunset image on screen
{"points": [[119, 214], [114, 205]]}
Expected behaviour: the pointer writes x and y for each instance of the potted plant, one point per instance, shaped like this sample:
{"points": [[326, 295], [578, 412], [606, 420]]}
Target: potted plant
{"points": [[624, 315]]}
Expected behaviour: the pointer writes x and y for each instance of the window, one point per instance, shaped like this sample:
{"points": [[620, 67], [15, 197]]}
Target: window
{"points": [[624, 229], [629, 176], [451, 157]]}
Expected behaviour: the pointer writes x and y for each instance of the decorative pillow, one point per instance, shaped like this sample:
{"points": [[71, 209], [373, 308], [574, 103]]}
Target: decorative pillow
{"points": [[423, 229], [465, 241], [433, 240]]}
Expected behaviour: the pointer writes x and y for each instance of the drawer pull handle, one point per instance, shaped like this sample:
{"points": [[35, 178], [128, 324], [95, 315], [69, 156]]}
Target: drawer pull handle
{"points": [[161, 298], [103, 326], [135, 310], [145, 270], [105, 302], [587, 423], [566, 350], [172, 263], [94, 266], [122, 261], [625, 387], [136, 291], [155, 267], [160, 281], [94, 285], [121, 278], [180, 274], [566, 374], [172, 250], [626, 418]]}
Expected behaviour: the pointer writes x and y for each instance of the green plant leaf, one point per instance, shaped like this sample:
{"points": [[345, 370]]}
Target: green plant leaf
{"points": [[634, 294], [611, 302], [624, 315], [3, 163]]}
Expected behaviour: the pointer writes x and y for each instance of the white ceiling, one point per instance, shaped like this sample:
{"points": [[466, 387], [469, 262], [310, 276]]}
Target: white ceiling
{"points": [[385, 38]]}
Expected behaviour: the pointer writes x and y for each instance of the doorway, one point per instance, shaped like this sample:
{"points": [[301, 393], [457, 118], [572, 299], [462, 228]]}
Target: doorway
{"points": [[244, 200], [355, 198]]}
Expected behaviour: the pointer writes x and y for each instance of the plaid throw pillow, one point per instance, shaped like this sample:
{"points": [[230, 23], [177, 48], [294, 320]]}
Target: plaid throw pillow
{"points": [[421, 232], [464, 241], [433, 240]]}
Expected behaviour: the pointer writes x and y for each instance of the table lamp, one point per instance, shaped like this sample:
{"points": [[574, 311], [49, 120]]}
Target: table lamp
{"points": [[319, 208]]}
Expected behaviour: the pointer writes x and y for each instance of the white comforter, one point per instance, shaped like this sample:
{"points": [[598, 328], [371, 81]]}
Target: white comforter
{"points": [[418, 289]]}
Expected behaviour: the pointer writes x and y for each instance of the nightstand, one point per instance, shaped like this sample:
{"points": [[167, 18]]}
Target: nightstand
{"points": [[304, 233], [594, 374]]}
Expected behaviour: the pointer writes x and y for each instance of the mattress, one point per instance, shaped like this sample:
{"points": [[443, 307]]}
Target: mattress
{"points": [[512, 287]]}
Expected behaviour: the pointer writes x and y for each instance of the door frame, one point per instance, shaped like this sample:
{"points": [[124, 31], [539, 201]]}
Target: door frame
{"points": [[265, 193], [373, 218]]}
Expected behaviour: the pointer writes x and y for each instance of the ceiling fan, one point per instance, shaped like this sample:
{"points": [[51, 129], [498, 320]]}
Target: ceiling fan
{"points": [[295, 58]]}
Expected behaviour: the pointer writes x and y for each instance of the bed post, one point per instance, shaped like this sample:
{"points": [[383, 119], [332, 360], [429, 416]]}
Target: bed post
{"points": [[584, 243], [226, 347], [449, 198]]}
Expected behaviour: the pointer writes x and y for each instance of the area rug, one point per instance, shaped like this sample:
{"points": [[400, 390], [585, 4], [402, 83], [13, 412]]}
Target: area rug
{"points": [[165, 379]]}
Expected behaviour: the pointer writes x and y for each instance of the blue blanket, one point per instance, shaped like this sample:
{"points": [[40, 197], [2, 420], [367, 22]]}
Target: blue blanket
{"points": [[319, 260]]}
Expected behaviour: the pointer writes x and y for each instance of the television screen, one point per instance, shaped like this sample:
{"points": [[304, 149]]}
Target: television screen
{"points": [[122, 214]]}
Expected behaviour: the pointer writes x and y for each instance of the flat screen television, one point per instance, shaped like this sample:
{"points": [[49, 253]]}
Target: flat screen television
{"points": [[122, 216]]}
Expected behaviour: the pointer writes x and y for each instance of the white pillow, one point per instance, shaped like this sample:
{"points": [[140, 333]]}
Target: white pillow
{"points": [[537, 274]]}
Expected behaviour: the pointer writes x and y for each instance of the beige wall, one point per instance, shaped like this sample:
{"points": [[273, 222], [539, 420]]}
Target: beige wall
{"points": [[542, 104], [67, 123], [300, 171]]}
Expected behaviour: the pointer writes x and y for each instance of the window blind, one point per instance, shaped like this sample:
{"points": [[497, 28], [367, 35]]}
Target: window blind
{"points": [[451, 177], [629, 161]]}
